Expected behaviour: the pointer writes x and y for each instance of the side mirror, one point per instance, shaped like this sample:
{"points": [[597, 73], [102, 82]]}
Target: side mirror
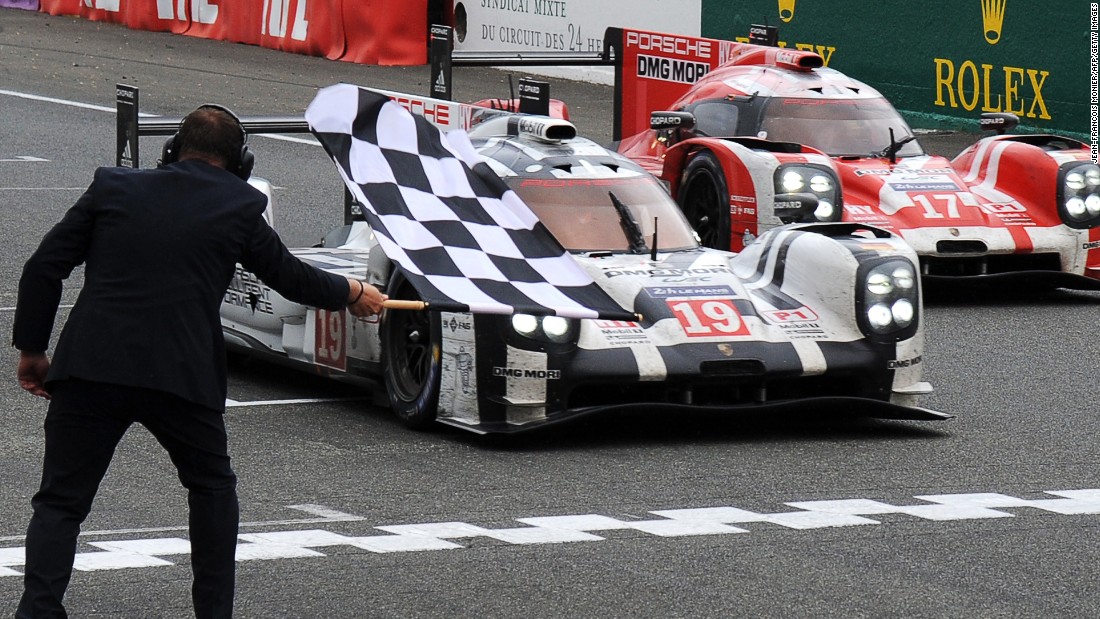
{"points": [[672, 125], [795, 207], [999, 122]]}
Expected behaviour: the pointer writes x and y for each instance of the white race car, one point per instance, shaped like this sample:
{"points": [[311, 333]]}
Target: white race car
{"points": [[825, 315]]}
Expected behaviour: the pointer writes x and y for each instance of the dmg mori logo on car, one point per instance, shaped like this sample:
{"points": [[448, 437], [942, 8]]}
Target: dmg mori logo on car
{"points": [[527, 373], [786, 10], [993, 19], [671, 69]]}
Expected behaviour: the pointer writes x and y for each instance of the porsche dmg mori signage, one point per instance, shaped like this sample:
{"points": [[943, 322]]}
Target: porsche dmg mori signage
{"points": [[941, 63]]}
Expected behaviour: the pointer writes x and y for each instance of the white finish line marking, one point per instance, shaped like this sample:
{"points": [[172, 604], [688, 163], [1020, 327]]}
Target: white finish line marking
{"points": [[297, 544], [322, 513]]}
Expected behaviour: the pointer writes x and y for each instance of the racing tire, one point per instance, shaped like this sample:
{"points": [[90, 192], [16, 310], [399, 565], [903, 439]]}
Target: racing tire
{"points": [[704, 199], [412, 350]]}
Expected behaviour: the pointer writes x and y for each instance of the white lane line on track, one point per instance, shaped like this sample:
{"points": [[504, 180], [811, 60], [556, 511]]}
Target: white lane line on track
{"points": [[101, 108], [230, 403], [12, 309], [668, 523], [86, 106]]}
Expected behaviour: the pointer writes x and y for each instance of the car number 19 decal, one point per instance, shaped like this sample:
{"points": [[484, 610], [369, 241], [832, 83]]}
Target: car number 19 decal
{"points": [[708, 317], [330, 339]]}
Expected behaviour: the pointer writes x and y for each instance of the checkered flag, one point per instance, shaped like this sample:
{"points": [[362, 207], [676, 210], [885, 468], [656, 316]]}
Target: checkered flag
{"points": [[465, 240]]}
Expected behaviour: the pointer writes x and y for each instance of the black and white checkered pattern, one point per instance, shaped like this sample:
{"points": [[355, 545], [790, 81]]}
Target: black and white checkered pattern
{"points": [[464, 239]]}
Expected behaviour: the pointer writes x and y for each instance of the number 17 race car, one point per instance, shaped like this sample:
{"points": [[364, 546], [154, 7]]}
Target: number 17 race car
{"points": [[818, 316], [753, 128]]}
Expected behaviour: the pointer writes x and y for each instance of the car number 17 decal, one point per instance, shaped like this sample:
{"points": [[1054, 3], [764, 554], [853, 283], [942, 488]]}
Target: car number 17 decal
{"points": [[708, 317]]}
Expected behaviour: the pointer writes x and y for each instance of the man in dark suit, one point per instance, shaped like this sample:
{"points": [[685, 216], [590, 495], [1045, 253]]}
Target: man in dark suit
{"points": [[143, 342]]}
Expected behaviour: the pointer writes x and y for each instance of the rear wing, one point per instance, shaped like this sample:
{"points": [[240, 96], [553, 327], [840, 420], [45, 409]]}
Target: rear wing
{"points": [[652, 69]]}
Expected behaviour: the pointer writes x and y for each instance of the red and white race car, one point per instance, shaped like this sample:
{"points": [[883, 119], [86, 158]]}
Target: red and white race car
{"points": [[749, 136]]}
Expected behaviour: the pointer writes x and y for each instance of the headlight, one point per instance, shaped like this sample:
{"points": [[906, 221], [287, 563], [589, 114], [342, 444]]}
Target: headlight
{"points": [[817, 180], [525, 324], [819, 183], [792, 182], [1092, 204], [555, 327], [888, 298], [546, 328], [1079, 194], [1092, 177], [903, 311]]}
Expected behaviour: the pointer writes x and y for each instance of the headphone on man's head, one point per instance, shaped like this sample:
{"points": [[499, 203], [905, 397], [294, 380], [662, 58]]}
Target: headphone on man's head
{"points": [[241, 164]]}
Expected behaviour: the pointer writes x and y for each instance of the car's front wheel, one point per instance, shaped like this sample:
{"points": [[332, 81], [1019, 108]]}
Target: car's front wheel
{"points": [[411, 350], [704, 198]]}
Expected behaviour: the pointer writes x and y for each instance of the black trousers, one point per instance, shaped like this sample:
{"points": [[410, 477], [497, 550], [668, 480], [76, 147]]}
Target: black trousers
{"points": [[84, 424]]}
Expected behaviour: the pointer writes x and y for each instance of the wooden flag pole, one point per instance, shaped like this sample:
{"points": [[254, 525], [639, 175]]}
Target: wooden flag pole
{"points": [[404, 304]]}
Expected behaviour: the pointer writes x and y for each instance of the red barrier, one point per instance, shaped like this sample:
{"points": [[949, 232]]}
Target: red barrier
{"points": [[302, 28], [207, 19], [387, 32], [60, 7], [156, 17]]}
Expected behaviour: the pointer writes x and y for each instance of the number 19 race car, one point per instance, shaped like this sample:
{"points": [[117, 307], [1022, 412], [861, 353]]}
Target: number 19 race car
{"points": [[816, 314], [753, 127]]}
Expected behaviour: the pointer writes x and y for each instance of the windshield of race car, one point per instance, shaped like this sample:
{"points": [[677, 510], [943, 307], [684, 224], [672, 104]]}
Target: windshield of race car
{"points": [[580, 213], [838, 127]]}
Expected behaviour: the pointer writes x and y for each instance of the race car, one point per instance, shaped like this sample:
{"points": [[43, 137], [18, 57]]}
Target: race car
{"points": [[737, 129], [824, 315]]}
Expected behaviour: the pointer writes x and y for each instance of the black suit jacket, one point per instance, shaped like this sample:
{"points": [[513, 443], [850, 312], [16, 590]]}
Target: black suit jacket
{"points": [[159, 247]]}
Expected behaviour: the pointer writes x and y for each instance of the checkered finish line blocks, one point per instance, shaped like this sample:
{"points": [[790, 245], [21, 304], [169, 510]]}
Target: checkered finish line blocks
{"points": [[307, 543]]}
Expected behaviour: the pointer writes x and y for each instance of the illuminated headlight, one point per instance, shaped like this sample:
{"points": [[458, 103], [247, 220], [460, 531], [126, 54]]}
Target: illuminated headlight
{"points": [[818, 180], [1075, 181], [819, 183], [1079, 194], [879, 316], [902, 312], [889, 298], [548, 328], [555, 327], [824, 211], [1092, 204], [525, 324], [880, 284], [904, 277], [792, 182], [1092, 177]]}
